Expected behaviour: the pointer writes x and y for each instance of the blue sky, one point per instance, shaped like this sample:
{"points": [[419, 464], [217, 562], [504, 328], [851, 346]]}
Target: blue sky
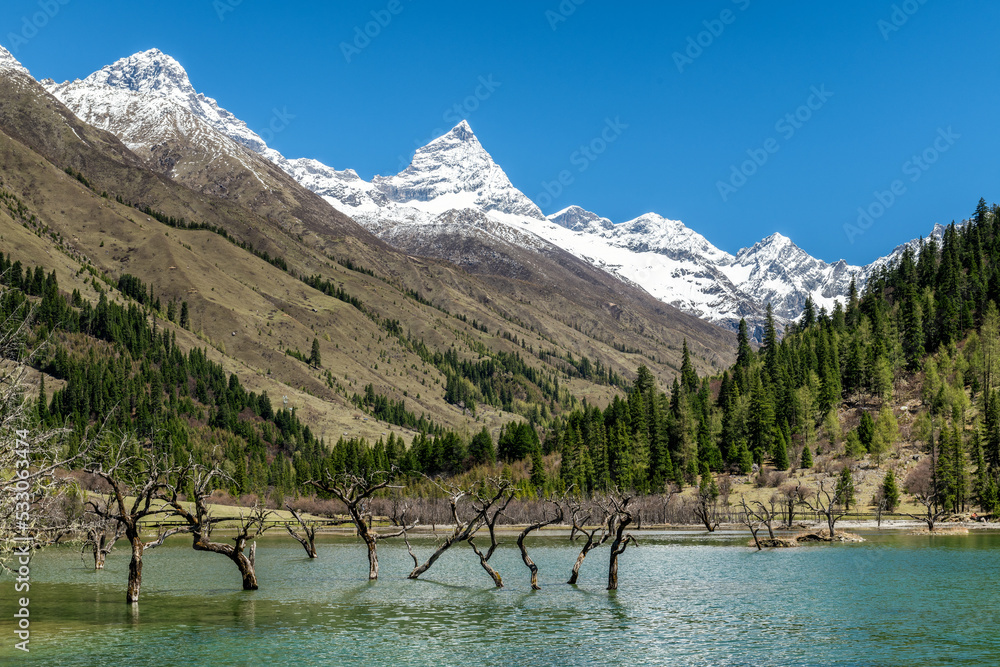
{"points": [[703, 87]]}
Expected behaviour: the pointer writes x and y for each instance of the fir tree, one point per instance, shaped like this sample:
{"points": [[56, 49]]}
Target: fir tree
{"points": [[744, 353], [866, 431], [689, 377], [780, 452], [481, 448], [42, 403], [538, 476], [845, 488], [807, 458], [890, 492], [744, 458], [314, 357]]}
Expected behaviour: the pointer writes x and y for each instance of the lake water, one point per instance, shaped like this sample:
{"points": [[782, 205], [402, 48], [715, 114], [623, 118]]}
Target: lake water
{"points": [[685, 599]]}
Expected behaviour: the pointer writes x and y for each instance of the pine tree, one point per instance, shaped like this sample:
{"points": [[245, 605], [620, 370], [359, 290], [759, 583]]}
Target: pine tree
{"points": [[845, 488], [42, 403], [890, 492], [770, 347], [866, 431], [886, 433], [689, 377], [780, 452], [760, 420], [744, 458], [538, 476], [807, 458], [481, 448], [314, 358], [852, 445], [831, 424], [185, 316], [808, 313], [744, 353]]}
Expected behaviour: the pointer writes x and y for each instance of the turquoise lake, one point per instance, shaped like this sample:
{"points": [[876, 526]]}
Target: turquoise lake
{"points": [[685, 599]]}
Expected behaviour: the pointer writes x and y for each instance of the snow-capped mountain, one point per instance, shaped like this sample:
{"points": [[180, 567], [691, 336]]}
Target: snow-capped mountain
{"points": [[9, 63], [148, 102], [454, 190], [455, 171], [155, 77], [577, 219]]}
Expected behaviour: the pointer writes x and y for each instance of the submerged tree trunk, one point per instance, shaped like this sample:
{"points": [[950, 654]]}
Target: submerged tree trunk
{"points": [[234, 553], [531, 565], [246, 567], [99, 557], [101, 549], [623, 518], [308, 538], [592, 542], [465, 531], [558, 516], [371, 540], [484, 560], [579, 562], [135, 565], [420, 569], [355, 492]]}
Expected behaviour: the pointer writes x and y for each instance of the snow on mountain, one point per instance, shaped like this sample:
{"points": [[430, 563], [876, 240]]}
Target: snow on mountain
{"points": [[9, 63], [148, 102], [640, 252], [454, 190], [778, 272], [455, 171], [577, 219], [154, 73]]}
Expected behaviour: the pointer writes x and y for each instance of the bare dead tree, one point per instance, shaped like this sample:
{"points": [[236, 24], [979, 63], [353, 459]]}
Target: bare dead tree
{"points": [[200, 522], [29, 454], [464, 528], [828, 504], [706, 506], [881, 505], [620, 517], [100, 535], [789, 498], [491, 511], [355, 491], [580, 522], [135, 481], [757, 515], [308, 536], [556, 517], [922, 485]]}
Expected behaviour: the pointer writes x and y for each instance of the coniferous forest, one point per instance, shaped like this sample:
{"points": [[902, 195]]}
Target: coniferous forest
{"points": [[930, 323]]}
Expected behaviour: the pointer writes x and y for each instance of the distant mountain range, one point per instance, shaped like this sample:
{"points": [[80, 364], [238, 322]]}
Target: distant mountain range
{"points": [[454, 202]]}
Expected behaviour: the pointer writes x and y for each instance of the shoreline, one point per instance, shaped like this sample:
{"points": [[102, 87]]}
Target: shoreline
{"points": [[889, 526]]}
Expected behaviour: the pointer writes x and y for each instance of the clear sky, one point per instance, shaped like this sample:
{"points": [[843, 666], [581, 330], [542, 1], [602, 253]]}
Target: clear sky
{"points": [[702, 87]]}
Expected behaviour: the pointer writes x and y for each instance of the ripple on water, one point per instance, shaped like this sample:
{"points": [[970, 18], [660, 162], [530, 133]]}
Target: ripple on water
{"points": [[685, 599]]}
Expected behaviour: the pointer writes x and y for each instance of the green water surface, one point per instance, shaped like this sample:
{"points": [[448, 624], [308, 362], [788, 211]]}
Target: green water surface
{"points": [[685, 599]]}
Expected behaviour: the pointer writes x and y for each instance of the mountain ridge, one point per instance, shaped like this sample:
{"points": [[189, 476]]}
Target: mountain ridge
{"points": [[454, 172]]}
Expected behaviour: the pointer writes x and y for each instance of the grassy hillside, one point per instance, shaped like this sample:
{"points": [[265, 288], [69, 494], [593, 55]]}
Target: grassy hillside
{"points": [[245, 282]]}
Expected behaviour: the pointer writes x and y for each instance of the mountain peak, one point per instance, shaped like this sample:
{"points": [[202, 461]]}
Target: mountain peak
{"points": [[151, 72], [579, 219], [460, 139], [9, 62], [457, 170], [777, 239], [463, 131]]}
